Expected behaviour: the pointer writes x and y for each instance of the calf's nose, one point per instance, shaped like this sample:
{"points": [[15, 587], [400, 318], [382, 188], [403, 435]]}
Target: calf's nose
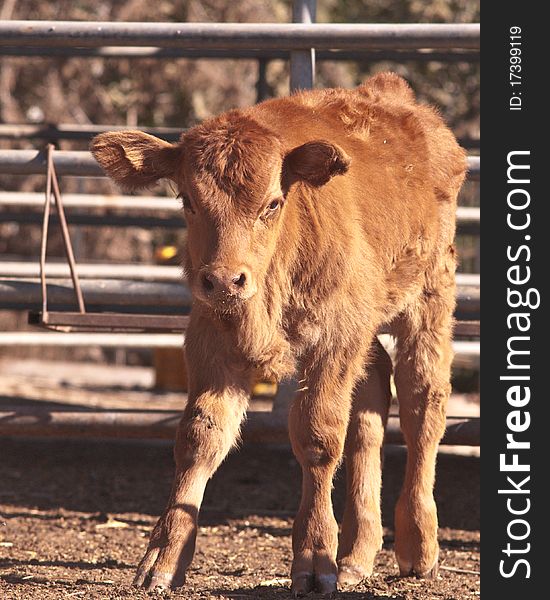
{"points": [[225, 281]]}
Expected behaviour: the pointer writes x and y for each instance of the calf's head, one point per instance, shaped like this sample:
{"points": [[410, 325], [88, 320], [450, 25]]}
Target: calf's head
{"points": [[234, 178]]}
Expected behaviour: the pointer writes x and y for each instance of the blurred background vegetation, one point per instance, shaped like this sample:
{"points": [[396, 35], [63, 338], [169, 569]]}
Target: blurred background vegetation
{"points": [[180, 92]]}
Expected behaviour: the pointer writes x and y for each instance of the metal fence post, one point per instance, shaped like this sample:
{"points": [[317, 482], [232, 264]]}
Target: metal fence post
{"points": [[262, 88], [302, 62], [302, 76]]}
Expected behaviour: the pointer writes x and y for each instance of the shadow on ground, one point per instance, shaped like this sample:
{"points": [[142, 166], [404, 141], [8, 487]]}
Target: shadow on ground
{"points": [[135, 477]]}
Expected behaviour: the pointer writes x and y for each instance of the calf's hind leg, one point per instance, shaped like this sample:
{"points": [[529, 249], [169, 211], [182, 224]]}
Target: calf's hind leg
{"points": [[361, 536], [422, 379]]}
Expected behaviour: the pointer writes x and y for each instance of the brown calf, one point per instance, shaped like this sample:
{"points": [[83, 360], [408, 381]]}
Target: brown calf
{"points": [[312, 220]]}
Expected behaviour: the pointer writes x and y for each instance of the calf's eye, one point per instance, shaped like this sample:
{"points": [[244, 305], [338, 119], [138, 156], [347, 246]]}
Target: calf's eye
{"points": [[271, 209]]}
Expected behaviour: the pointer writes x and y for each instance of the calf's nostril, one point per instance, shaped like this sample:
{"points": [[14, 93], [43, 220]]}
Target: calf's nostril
{"points": [[239, 280], [207, 283]]}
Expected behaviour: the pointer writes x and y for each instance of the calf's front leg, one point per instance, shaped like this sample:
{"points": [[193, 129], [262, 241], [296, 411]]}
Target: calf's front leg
{"points": [[218, 398]]}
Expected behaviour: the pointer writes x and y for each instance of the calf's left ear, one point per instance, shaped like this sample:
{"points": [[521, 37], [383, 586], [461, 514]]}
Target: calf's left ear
{"points": [[135, 159], [315, 162]]}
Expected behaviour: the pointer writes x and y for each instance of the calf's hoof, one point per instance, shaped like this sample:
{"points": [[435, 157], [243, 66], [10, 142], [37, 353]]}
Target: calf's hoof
{"points": [[304, 582], [418, 569], [153, 575], [151, 581], [416, 546], [351, 575], [170, 552]]}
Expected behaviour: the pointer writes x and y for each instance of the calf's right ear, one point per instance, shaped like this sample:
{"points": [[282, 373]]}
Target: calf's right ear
{"points": [[135, 159]]}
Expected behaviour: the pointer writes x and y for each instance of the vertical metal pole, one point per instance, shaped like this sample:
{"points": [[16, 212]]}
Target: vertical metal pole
{"points": [[262, 89], [302, 77], [44, 240], [302, 62]]}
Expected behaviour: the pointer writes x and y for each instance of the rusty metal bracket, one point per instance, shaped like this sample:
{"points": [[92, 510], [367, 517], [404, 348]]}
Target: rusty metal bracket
{"points": [[52, 185], [71, 321], [82, 320]]}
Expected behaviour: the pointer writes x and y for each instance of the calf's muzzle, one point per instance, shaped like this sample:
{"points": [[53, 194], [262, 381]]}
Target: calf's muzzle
{"points": [[222, 284]]}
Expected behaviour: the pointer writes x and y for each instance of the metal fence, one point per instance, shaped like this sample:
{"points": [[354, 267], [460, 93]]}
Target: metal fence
{"points": [[241, 36], [302, 43], [82, 164]]}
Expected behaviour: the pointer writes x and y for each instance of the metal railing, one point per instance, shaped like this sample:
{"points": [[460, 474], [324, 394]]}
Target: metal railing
{"points": [[82, 164], [260, 426], [303, 38], [23, 292], [241, 36], [56, 132], [302, 42], [33, 201], [145, 52]]}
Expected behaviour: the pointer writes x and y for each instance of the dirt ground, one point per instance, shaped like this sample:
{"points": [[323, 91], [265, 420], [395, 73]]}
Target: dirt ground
{"points": [[75, 516]]}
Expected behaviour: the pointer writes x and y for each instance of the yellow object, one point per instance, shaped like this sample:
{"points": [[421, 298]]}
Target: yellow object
{"points": [[264, 388], [171, 373], [166, 253]]}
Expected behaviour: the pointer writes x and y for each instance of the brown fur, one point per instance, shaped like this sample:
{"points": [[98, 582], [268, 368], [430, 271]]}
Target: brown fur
{"points": [[313, 220]]}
